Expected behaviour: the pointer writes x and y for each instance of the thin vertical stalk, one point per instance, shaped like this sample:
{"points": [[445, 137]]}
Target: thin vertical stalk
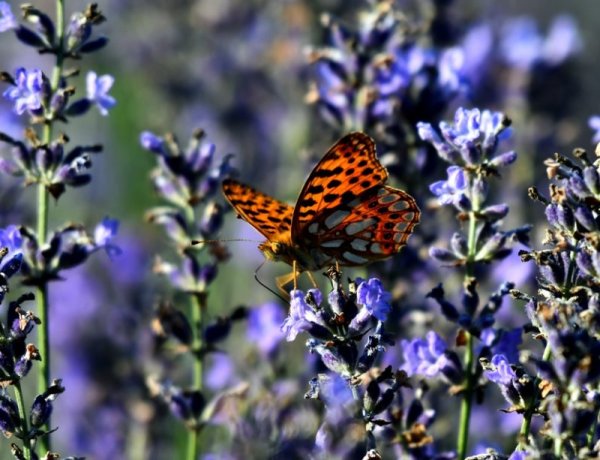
{"points": [[467, 401], [23, 417], [197, 310], [467, 394], [42, 224]]}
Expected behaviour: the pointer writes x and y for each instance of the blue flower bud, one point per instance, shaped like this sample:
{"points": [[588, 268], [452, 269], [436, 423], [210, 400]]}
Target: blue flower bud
{"points": [[585, 218], [78, 107], [458, 243], [94, 45], [443, 255], [41, 409], [152, 142], [495, 212], [504, 159], [565, 216], [30, 37], [592, 179]]}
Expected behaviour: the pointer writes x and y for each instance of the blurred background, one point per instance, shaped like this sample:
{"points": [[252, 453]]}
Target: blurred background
{"points": [[239, 69]]}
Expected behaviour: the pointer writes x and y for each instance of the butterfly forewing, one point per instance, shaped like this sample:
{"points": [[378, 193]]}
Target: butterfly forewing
{"points": [[269, 216], [348, 169]]}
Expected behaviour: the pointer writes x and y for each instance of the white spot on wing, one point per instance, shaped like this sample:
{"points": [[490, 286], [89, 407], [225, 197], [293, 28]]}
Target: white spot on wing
{"points": [[332, 243], [359, 245], [356, 227], [400, 226], [399, 206], [409, 216], [313, 228], [376, 248], [336, 218], [386, 197], [353, 258]]}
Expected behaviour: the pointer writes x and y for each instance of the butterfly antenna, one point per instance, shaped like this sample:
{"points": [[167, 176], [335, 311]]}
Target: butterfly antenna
{"points": [[196, 242], [264, 285]]}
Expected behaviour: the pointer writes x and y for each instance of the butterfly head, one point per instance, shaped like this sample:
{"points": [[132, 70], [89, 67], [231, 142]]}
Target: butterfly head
{"points": [[277, 251]]}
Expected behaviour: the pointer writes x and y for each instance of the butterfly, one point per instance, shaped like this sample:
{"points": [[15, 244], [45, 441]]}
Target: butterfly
{"points": [[345, 214]]}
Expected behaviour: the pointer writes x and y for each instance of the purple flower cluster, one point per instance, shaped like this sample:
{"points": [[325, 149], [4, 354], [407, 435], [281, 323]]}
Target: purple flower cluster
{"points": [[471, 145], [382, 76], [189, 180], [348, 335], [563, 315]]}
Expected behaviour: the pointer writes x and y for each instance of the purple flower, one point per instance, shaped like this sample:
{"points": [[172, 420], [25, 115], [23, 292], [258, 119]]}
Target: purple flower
{"points": [[28, 92], [10, 238], [522, 44], [505, 343], [97, 91], [452, 190], [335, 390], [7, 19], [375, 299], [594, 123], [477, 45], [264, 327], [465, 128], [502, 373], [296, 321], [424, 356], [563, 40], [104, 233], [221, 372]]}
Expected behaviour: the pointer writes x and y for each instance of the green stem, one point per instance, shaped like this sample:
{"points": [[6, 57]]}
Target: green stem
{"points": [[465, 407], [197, 309], [23, 417], [592, 432], [42, 224], [197, 320], [467, 401]]}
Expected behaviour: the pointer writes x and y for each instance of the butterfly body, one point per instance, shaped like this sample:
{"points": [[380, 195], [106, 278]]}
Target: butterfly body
{"points": [[306, 260], [344, 214]]}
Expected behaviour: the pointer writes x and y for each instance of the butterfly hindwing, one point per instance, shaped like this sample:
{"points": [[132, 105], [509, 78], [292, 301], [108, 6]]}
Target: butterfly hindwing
{"points": [[271, 217], [375, 227], [348, 169]]}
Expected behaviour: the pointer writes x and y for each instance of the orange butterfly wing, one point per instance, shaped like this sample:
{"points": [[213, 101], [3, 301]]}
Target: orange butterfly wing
{"points": [[346, 211], [271, 217]]}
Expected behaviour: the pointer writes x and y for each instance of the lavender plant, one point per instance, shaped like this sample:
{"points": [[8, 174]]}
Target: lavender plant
{"points": [[563, 317], [471, 145], [188, 180], [42, 157]]}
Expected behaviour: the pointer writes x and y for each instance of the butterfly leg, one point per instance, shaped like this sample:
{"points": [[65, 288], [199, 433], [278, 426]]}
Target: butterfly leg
{"points": [[282, 281], [294, 268], [312, 279]]}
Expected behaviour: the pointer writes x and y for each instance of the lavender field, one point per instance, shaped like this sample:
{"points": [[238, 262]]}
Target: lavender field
{"points": [[414, 272]]}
